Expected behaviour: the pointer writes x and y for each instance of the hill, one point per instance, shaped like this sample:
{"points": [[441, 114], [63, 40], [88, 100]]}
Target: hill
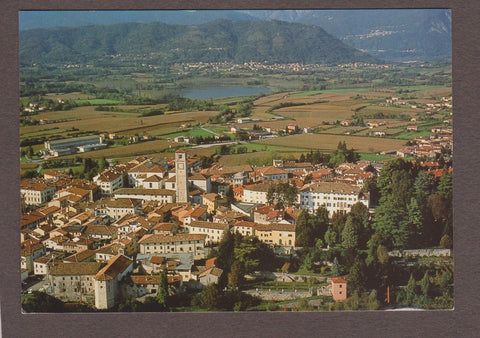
{"points": [[394, 35], [391, 34], [220, 40]]}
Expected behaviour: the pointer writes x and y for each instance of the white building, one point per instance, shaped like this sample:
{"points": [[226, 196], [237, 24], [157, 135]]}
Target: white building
{"points": [[214, 231], [192, 243], [335, 196], [256, 193], [107, 281], [36, 193], [161, 195], [109, 181]]}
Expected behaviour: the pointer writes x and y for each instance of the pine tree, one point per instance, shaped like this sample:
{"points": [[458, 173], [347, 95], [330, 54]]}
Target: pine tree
{"points": [[425, 284], [336, 268], [162, 294], [410, 290]]}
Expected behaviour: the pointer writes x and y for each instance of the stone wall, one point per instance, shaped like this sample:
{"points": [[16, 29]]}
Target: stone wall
{"points": [[421, 253]]}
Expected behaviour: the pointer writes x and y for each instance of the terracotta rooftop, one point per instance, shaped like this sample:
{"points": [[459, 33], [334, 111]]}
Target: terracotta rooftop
{"points": [[80, 268], [332, 187], [275, 227], [153, 279], [80, 256], [209, 225], [154, 238], [114, 267], [139, 191]]}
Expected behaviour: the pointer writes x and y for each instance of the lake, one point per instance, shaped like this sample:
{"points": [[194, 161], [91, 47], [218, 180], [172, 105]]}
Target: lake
{"points": [[222, 91]]}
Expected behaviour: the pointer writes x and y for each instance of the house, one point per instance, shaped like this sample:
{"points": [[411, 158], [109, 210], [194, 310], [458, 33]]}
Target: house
{"points": [[182, 243], [152, 182], [109, 251], [160, 195], [41, 265], [165, 228], [109, 181], [196, 213], [144, 170], [199, 181], [276, 234], [142, 285], [119, 207], [269, 173], [36, 193], [210, 201], [73, 282], [339, 289], [207, 275], [107, 280], [245, 228], [213, 231], [31, 250], [412, 128], [101, 232], [256, 193]]}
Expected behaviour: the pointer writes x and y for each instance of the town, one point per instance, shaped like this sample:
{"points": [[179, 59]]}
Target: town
{"points": [[237, 164], [109, 240]]}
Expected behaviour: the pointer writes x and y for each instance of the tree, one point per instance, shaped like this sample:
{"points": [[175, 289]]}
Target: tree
{"points": [[236, 276], [210, 296], [162, 293], [330, 237], [425, 284], [357, 277], [445, 187], [410, 290], [382, 255], [336, 268], [414, 224], [423, 186], [350, 234], [304, 232], [226, 248]]}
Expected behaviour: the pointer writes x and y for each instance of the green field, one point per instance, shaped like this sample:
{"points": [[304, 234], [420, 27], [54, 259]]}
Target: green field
{"points": [[375, 157], [197, 132], [96, 101]]}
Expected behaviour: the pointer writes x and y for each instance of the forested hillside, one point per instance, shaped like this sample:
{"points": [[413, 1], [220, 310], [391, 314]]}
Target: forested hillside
{"points": [[221, 40]]}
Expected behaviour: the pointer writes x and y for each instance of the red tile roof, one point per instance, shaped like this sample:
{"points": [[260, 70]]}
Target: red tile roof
{"points": [[114, 267]]}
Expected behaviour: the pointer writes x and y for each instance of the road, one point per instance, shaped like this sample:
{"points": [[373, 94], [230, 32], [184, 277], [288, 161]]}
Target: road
{"points": [[216, 144]]}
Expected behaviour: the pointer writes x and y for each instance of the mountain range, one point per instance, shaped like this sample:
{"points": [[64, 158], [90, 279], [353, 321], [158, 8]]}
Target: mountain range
{"points": [[221, 40], [391, 34]]}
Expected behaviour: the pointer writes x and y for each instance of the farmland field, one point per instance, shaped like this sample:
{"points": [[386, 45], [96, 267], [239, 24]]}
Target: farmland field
{"points": [[141, 148], [87, 119], [324, 142]]}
